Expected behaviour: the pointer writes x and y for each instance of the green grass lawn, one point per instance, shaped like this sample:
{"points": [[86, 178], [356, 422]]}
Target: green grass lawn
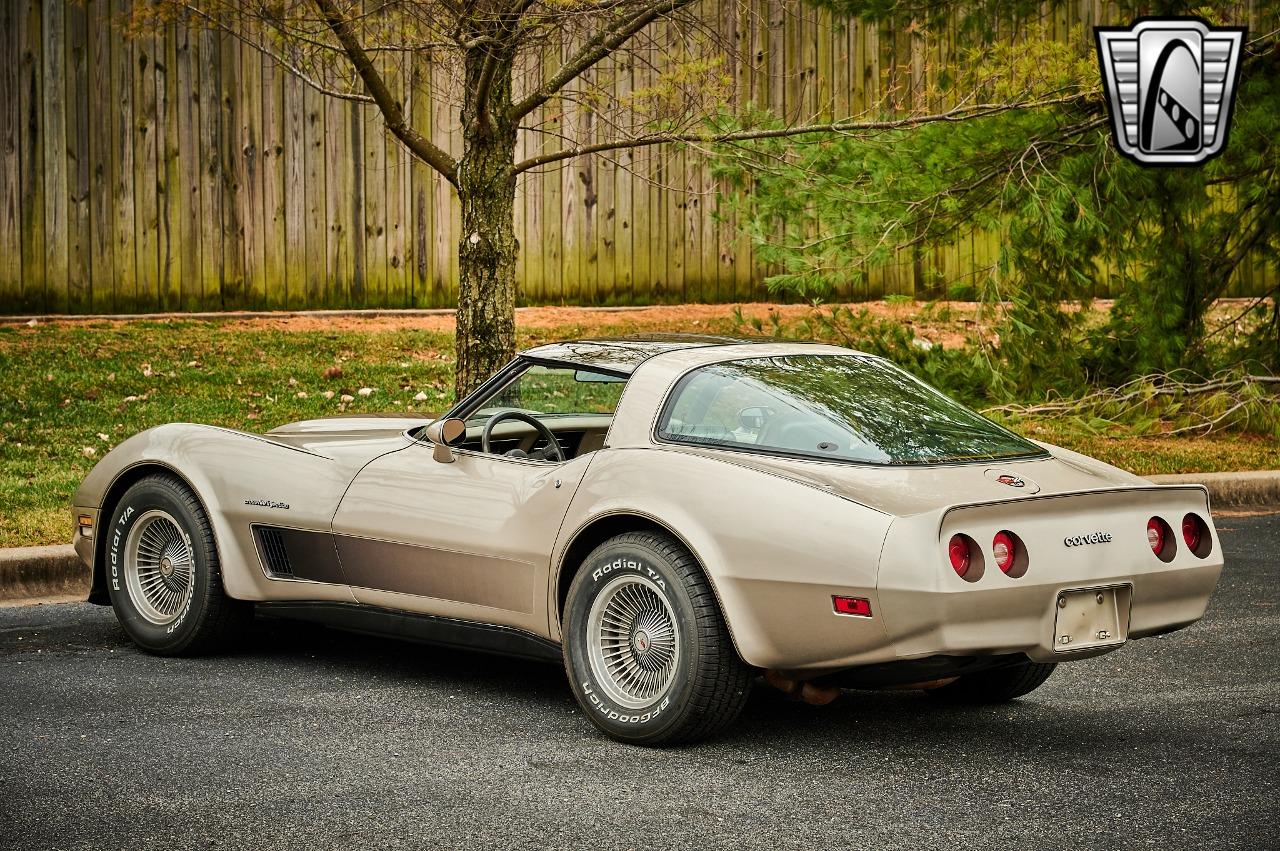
{"points": [[72, 391]]}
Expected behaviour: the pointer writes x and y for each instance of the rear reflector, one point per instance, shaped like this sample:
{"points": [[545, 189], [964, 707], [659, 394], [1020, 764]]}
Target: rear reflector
{"points": [[857, 607]]}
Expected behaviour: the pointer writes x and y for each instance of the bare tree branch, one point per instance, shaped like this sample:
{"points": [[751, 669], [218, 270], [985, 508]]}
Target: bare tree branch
{"points": [[596, 48], [278, 59], [392, 112], [961, 113]]}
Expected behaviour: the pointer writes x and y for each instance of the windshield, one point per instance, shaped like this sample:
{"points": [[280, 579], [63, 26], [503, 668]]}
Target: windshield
{"points": [[843, 407], [546, 391]]}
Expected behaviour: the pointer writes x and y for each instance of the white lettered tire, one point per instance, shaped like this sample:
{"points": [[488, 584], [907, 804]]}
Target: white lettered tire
{"points": [[163, 573], [646, 649]]}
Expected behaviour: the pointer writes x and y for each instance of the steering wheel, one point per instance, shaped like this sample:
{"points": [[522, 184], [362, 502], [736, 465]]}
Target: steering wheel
{"points": [[553, 445]]}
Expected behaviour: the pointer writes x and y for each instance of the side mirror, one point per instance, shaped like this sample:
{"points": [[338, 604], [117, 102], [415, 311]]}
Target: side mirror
{"points": [[444, 434]]}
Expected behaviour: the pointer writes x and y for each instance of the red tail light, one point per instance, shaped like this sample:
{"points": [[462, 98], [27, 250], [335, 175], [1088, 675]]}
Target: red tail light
{"points": [[1193, 532], [1155, 535], [1004, 548], [958, 550]]}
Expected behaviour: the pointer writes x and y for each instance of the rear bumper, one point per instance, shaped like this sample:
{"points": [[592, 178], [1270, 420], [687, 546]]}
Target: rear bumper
{"points": [[922, 609], [1020, 618], [929, 610]]}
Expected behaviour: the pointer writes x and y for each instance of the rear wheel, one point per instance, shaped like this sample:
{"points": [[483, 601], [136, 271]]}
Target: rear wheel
{"points": [[996, 685], [646, 650], [163, 572]]}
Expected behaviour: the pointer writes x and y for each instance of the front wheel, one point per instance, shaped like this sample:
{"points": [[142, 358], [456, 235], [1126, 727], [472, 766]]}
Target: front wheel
{"points": [[163, 572], [996, 685], [646, 649]]}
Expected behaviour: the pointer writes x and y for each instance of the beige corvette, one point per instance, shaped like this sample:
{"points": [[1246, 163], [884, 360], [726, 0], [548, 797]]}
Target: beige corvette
{"points": [[668, 516]]}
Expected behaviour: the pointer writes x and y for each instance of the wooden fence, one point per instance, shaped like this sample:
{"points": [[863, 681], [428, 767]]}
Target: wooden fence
{"points": [[184, 171]]}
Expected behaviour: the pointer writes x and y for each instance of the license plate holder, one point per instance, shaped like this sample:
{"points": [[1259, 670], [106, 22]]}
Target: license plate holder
{"points": [[1091, 617]]}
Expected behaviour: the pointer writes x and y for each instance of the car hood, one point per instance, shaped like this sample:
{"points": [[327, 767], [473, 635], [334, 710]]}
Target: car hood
{"points": [[351, 436], [905, 491]]}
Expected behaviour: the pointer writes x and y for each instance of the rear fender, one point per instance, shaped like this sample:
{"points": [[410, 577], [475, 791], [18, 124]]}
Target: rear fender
{"points": [[774, 550]]}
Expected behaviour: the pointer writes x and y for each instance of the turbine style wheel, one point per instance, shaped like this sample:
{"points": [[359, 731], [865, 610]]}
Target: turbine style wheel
{"points": [[633, 642], [157, 567], [646, 650], [163, 572]]}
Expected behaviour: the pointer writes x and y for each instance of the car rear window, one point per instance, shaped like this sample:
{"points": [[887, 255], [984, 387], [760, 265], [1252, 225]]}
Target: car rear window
{"points": [[835, 407]]}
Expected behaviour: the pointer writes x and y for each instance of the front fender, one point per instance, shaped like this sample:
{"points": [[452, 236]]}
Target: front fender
{"points": [[241, 480]]}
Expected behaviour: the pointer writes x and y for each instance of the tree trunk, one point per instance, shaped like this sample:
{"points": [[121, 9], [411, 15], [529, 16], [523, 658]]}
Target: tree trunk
{"points": [[487, 249]]}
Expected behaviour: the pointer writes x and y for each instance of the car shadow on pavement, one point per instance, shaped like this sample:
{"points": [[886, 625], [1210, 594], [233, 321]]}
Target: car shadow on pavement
{"points": [[1048, 722]]}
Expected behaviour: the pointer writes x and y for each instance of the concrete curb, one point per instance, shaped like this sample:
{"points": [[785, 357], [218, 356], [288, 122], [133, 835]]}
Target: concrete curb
{"points": [[31, 572], [35, 572], [1255, 489]]}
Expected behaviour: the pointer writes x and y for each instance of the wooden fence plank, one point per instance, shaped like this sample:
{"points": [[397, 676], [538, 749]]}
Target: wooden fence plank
{"points": [[445, 244], [124, 248], [274, 225], [232, 280], [168, 182], [375, 209], [295, 191], [318, 272], [79, 239], [397, 222], [186, 74], [641, 179], [146, 166], [520, 85], [253, 209], [421, 190], [54, 125], [356, 217], [338, 191], [552, 119], [213, 167], [621, 254], [10, 165], [31, 205]]}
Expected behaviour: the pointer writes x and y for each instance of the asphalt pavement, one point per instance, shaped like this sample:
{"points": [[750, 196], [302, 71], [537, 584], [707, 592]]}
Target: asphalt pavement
{"points": [[316, 738]]}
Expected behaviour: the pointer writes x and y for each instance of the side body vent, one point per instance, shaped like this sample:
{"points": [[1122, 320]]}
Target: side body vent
{"points": [[274, 554]]}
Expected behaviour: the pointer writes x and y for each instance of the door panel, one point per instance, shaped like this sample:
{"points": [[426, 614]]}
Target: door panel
{"points": [[469, 540]]}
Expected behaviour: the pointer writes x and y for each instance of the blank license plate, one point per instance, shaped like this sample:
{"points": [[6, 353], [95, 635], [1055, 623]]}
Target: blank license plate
{"points": [[1088, 618]]}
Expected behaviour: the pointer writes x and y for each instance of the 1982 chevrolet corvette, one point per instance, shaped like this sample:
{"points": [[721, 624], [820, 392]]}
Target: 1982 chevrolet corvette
{"points": [[670, 516]]}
